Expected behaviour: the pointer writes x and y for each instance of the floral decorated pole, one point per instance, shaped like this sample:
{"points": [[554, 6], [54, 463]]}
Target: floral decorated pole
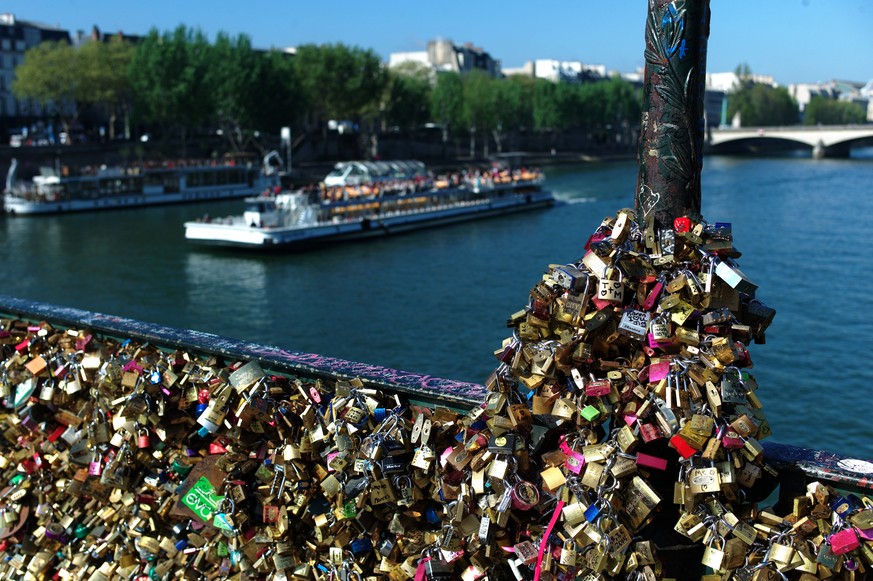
{"points": [[672, 131]]}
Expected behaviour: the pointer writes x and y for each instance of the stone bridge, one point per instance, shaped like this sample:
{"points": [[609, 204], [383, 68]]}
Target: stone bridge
{"points": [[824, 140]]}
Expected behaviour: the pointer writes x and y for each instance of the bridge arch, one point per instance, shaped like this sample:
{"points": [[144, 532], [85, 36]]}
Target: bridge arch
{"points": [[823, 141]]}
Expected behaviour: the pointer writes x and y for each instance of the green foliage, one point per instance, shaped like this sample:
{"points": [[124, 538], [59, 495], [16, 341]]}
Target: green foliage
{"points": [[763, 105], [169, 74], [591, 105], [515, 102], [480, 100], [55, 72], [340, 82], [181, 82], [744, 75], [252, 91], [48, 74], [408, 96], [103, 70], [546, 111], [447, 101], [830, 112]]}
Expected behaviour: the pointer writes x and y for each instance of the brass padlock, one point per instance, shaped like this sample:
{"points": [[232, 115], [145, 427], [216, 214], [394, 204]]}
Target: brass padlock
{"points": [[568, 553], [714, 557], [563, 408]]}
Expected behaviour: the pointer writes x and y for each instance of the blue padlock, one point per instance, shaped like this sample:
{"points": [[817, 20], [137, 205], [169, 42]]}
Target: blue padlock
{"points": [[361, 545]]}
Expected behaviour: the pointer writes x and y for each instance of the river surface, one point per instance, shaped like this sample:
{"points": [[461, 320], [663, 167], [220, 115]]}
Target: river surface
{"points": [[436, 301]]}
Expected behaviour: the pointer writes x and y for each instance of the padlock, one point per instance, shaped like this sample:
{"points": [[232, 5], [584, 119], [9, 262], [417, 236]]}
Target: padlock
{"points": [[47, 391], [436, 568], [609, 289], [211, 417], [100, 429], [95, 466], [568, 553], [524, 495], [660, 328], [143, 441], [634, 323], [563, 408], [841, 542], [714, 557]]}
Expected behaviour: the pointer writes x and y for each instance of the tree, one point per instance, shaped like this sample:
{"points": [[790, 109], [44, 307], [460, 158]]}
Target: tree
{"points": [[408, 96], [512, 106], [546, 113], [341, 82], [277, 98], [447, 102], [763, 105], [169, 77], [104, 67], [744, 75], [253, 91], [480, 98], [75, 78], [830, 112], [49, 75]]}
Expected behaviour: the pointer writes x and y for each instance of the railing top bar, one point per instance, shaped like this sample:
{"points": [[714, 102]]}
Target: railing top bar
{"points": [[841, 470], [417, 386]]}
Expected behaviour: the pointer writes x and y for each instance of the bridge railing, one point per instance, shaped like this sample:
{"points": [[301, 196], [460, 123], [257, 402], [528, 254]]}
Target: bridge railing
{"points": [[797, 465]]}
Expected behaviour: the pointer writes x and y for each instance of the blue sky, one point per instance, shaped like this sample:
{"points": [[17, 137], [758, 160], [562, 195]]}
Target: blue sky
{"points": [[792, 40]]}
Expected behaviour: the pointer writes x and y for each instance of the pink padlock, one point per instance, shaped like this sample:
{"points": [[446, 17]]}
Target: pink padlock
{"points": [[658, 371], [651, 461], [598, 387], [731, 440], [844, 541], [655, 344], [574, 462], [600, 303], [95, 467]]}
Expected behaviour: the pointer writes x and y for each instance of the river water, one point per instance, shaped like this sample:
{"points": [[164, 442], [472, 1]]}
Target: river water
{"points": [[436, 301]]}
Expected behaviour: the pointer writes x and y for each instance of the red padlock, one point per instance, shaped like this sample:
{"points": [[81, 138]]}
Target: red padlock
{"points": [[143, 441], [682, 224], [57, 433], [684, 448]]}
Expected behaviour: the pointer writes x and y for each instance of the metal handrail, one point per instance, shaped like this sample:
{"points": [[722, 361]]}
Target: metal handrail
{"points": [[795, 464]]}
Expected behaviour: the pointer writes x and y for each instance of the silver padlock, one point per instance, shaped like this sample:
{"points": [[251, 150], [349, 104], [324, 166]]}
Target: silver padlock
{"points": [[609, 289]]}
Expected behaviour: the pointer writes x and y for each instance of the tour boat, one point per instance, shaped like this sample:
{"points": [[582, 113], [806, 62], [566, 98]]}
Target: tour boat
{"points": [[295, 219], [102, 188]]}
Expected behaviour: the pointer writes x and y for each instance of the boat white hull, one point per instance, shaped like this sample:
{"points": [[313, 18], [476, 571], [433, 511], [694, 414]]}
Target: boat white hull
{"points": [[19, 206], [240, 235]]}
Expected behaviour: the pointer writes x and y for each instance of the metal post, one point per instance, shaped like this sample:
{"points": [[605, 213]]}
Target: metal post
{"points": [[672, 131]]}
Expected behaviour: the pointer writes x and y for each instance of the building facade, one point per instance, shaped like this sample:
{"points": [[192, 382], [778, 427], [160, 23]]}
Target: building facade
{"points": [[444, 56]]}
